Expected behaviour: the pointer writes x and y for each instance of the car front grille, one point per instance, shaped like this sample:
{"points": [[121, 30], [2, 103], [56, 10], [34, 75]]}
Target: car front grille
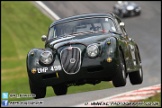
{"points": [[71, 60]]}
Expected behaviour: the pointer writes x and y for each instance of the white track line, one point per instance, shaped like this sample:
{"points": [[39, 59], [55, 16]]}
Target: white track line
{"points": [[54, 15], [135, 95]]}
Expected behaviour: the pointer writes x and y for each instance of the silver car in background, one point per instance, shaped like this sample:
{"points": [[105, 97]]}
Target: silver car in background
{"points": [[126, 9]]}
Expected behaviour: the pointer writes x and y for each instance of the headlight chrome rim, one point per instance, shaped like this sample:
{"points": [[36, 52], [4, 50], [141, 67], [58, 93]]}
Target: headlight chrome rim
{"points": [[46, 57], [92, 50]]}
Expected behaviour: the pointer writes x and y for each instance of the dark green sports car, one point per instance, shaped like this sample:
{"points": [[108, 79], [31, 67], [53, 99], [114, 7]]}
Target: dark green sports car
{"points": [[87, 48]]}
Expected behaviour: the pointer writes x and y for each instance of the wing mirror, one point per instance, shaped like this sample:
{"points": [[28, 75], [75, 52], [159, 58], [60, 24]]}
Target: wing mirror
{"points": [[122, 24], [44, 37]]}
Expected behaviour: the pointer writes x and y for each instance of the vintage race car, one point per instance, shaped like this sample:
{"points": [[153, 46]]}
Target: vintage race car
{"points": [[126, 9], [81, 49]]}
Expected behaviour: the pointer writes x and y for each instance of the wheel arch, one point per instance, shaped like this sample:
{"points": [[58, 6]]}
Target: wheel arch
{"points": [[138, 52], [120, 49]]}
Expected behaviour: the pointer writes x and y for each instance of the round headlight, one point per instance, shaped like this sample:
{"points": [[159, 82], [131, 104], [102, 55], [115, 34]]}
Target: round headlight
{"points": [[92, 50], [46, 57]]}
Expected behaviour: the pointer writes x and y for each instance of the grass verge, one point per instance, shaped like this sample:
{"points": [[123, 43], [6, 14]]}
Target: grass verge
{"points": [[154, 101]]}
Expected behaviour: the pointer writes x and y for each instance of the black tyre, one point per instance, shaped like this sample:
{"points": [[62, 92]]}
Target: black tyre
{"points": [[40, 92], [120, 78], [60, 89], [136, 77]]}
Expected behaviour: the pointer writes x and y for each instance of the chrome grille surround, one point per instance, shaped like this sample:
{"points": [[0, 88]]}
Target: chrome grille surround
{"points": [[70, 54]]}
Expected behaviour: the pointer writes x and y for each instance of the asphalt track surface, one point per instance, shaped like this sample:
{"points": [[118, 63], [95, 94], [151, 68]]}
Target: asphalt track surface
{"points": [[144, 29]]}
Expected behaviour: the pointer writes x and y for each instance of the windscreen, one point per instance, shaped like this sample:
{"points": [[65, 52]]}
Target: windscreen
{"points": [[82, 26]]}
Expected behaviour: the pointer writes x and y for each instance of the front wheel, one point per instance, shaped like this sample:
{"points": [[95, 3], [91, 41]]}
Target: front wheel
{"points": [[120, 78], [40, 92], [60, 89]]}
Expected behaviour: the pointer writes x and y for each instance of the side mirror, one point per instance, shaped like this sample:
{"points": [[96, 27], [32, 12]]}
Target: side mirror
{"points": [[122, 24], [44, 37]]}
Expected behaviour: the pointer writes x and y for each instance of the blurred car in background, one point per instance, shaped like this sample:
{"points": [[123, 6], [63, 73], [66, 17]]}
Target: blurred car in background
{"points": [[126, 9]]}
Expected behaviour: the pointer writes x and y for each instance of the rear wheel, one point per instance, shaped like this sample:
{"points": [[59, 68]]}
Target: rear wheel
{"points": [[120, 78], [136, 77], [40, 92], [60, 89]]}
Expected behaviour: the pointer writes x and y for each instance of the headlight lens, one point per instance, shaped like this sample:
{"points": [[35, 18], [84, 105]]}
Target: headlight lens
{"points": [[92, 50], [46, 57]]}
